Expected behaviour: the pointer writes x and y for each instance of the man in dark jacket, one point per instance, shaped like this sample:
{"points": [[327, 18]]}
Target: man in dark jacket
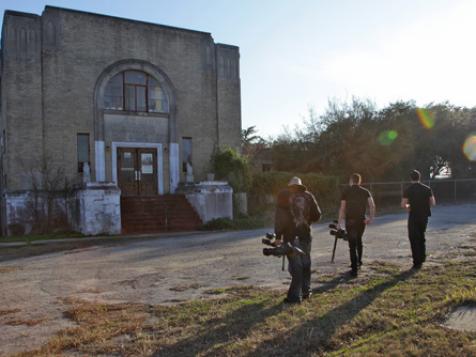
{"points": [[303, 210], [353, 206], [417, 199]]}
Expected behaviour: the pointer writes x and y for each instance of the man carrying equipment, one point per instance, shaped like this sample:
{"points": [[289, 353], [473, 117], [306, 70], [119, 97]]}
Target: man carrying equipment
{"points": [[304, 211], [353, 206]]}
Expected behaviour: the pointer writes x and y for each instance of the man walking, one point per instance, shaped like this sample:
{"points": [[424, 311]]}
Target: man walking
{"points": [[417, 199], [304, 210], [353, 206]]}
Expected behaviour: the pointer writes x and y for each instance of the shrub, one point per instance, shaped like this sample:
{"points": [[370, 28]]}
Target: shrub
{"points": [[218, 224], [229, 165]]}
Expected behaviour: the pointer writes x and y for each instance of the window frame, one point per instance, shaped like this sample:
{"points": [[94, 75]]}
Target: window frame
{"points": [[184, 158], [80, 163], [135, 86]]}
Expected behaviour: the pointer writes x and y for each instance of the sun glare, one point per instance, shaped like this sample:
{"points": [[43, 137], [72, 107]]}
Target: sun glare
{"points": [[426, 118], [387, 137], [469, 147]]}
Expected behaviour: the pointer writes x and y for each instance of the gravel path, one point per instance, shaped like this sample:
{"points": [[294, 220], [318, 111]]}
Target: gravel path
{"points": [[170, 270]]}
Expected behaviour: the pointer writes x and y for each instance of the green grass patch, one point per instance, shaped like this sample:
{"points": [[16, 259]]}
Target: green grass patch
{"points": [[392, 313], [38, 237]]}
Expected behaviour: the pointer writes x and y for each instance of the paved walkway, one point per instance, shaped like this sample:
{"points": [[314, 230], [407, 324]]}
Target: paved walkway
{"points": [[174, 269]]}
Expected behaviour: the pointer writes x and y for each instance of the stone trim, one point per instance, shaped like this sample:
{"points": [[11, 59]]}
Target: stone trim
{"points": [[174, 166], [100, 160]]}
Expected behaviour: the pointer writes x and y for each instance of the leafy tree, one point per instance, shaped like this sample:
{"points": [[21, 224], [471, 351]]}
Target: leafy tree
{"points": [[248, 135], [381, 144]]}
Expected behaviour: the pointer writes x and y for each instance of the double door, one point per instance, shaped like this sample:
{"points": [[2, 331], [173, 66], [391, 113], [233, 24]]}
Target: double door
{"points": [[137, 171]]}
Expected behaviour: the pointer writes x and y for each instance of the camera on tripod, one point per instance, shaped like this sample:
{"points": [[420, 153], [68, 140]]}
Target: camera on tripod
{"points": [[337, 232], [279, 248]]}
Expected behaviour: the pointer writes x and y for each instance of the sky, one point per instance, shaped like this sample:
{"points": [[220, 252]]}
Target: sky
{"points": [[297, 55]]}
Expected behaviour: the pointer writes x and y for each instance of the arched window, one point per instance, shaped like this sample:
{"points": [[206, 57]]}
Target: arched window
{"points": [[135, 91]]}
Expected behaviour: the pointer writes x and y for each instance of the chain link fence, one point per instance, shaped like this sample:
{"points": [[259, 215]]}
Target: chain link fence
{"points": [[389, 194]]}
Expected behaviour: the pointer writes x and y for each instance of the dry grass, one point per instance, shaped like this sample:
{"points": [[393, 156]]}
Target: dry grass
{"points": [[179, 288], [26, 322], [392, 313], [8, 311], [8, 269]]}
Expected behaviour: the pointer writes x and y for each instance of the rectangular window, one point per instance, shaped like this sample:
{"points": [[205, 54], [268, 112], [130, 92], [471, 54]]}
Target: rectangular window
{"points": [[83, 151], [186, 153]]}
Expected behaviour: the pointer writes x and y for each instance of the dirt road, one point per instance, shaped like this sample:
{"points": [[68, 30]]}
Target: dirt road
{"points": [[34, 290]]}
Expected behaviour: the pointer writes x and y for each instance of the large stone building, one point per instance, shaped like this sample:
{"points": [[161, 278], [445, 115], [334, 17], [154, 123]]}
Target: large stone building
{"points": [[88, 97]]}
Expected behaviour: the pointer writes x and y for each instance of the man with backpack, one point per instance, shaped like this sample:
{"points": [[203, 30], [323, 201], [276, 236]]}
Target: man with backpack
{"points": [[303, 210]]}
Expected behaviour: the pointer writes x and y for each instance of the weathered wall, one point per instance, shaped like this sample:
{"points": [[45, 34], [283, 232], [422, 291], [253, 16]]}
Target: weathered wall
{"points": [[51, 66], [229, 100], [99, 209], [88, 44], [210, 199], [22, 117], [77, 48], [93, 209]]}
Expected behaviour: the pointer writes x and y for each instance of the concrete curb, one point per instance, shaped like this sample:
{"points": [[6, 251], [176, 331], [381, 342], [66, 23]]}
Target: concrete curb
{"points": [[105, 239]]}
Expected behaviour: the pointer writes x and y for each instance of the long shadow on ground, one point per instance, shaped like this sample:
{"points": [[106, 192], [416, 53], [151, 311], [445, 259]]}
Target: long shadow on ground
{"points": [[315, 335], [235, 325], [332, 284]]}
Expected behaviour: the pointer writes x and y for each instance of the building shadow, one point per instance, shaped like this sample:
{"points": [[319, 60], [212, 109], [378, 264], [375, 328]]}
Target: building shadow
{"points": [[314, 336]]}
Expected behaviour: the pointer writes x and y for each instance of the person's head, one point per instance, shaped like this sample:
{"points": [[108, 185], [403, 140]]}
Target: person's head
{"points": [[355, 179], [415, 175], [295, 184]]}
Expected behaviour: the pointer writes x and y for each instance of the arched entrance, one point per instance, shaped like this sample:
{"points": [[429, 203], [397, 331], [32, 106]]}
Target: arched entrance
{"points": [[135, 129]]}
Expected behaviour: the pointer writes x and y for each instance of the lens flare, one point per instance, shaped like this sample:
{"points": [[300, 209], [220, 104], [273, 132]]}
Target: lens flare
{"points": [[469, 147], [387, 137], [426, 118]]}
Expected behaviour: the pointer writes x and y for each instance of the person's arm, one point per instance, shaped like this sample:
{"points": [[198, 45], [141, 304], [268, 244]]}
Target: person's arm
{"points": [[405, 204], [432, 198], [315, 211], [371, 216], [341, 218]]}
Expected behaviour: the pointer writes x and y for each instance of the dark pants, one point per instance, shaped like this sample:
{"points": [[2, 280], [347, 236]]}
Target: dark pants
{"points": [[355, 231], [300, 270], [416, 233]]}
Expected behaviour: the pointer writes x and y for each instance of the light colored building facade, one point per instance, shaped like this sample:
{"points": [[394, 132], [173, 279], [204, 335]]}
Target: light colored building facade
{"points": [[88, 97]]}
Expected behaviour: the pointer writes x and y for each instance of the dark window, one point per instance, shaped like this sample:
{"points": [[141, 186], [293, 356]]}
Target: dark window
{"points": [[186, 153], [83, 150], [135, 91]]}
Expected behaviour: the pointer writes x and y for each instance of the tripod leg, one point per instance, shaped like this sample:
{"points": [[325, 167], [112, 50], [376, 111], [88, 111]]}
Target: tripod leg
{"points": [[334, 250]]}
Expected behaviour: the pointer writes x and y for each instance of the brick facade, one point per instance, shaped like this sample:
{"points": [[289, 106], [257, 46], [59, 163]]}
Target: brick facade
{"points": [[54, 68]]}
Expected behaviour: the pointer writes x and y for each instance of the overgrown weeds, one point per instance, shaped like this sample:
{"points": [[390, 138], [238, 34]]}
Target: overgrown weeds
{"points": [[392, 313]]}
